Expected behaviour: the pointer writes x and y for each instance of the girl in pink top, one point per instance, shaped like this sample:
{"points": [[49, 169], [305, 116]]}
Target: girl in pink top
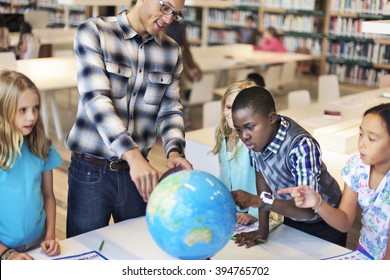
{"points": [[271, 41]]}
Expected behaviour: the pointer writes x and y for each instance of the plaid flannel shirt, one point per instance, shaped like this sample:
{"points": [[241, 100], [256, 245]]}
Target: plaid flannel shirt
{"points": [[128, 90]]}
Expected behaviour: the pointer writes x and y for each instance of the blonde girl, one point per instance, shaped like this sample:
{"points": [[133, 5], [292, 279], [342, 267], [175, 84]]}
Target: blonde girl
{"points": [[28, 206], [235, 170], [367, 184]]}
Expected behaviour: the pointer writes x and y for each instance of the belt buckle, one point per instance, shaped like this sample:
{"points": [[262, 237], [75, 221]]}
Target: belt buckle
{"points": [[111, 165]]}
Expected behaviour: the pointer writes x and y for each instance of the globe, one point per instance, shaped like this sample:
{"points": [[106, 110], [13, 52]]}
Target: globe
{"points": [[191, 215]]}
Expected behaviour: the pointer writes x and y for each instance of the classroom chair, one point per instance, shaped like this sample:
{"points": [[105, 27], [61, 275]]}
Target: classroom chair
{"points": [[298, 98], [8, 60], [272, 78], [328, 88], [211, 113], [288, 73], [202, 92]]}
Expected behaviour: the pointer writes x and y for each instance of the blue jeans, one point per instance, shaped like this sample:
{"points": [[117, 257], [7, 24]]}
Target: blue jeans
{"points": [[95, 193]]}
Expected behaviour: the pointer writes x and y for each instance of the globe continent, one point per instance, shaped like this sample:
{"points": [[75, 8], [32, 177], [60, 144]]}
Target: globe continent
{"points": [[191, 215]]}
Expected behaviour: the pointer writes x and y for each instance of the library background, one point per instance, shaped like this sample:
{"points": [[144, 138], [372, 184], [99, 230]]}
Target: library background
{"points": [[327, 29]]}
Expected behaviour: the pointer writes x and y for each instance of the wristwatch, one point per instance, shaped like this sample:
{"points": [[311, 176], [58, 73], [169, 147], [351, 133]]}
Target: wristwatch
{"points": [[267, 200], [176, 150]]}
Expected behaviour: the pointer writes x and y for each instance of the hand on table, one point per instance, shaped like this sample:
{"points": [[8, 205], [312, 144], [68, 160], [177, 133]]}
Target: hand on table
{"points": [[245, 219], [51, 248], [251, 238]]}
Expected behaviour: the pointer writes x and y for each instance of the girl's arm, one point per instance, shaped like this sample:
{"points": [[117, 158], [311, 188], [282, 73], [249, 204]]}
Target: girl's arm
{"points": [[340, 218], [49, 245]]}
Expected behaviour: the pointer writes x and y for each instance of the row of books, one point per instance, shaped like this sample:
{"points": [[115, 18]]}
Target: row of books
{"points": [[346, 26], [218, 36], [191, 13], [365, 51], [351, 27], [356, 74], [193, 33], [361, 6], [54, 5], [229, 17], [294, 43], [289, 4], [22, 2], [299, 23], [248, 3]]}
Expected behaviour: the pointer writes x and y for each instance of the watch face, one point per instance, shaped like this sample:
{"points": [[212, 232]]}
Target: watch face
{"points": [[268, 195]]}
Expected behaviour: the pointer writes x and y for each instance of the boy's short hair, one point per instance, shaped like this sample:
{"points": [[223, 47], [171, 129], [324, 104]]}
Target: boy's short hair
{"points": [[257, 98]]}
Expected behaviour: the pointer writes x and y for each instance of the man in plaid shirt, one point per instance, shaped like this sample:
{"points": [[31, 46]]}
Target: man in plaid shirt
{"points": [[128, 82]]}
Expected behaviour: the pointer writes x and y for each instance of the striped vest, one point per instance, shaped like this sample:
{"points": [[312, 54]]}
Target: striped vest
{"points": [[277, 168]]}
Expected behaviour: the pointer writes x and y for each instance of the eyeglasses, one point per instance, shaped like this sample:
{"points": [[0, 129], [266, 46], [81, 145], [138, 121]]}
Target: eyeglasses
{"points": [[166, 10]]}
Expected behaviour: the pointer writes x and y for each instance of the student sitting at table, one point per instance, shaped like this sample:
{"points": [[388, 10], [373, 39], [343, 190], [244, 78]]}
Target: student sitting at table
{"points": [[283, 155], [29, 44], [4, 35], [257, 78], [235, 170], [367, 184], [249, 34], [27, 158], [271, 41]]}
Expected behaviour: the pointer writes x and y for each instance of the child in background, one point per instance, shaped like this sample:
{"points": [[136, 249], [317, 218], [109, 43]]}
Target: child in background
{"points": [[28, 205], [29, 44], [284, 155], [367, 184], [4, 35], [234, 165], [271, 41], [257, 78], [249, 34]]}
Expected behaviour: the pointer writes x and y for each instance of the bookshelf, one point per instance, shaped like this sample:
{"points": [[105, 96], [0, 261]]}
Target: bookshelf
{"points": [[57, 15], [16, 6], [61, 16], [329, 29], [355, 56]]}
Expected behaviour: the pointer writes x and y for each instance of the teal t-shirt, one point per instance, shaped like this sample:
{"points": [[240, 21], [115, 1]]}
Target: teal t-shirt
{"points": [[238, 173], [22, 216]]}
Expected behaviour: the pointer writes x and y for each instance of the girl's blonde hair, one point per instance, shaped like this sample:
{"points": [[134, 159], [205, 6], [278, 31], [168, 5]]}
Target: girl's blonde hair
{"points": [[223, 129], [12, 85]]}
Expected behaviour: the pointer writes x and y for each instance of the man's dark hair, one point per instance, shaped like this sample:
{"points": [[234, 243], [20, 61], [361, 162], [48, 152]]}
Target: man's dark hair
{"points": [[256, 98]]}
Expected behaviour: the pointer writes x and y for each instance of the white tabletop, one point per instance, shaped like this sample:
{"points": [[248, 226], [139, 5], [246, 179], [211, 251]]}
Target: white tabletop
{"points": [[131, 240], [221, 57], [50, 73]]}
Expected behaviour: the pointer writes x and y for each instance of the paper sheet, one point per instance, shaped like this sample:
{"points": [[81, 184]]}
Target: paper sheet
{"points": [[88, 256], [353, 255]]}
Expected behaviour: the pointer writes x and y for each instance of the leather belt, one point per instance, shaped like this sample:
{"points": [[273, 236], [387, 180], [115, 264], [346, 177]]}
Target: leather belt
{"points": [[113, 165]]}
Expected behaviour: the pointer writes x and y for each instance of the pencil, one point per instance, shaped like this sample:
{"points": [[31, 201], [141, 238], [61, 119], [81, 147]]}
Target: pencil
{"points": [[101, 246]]}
